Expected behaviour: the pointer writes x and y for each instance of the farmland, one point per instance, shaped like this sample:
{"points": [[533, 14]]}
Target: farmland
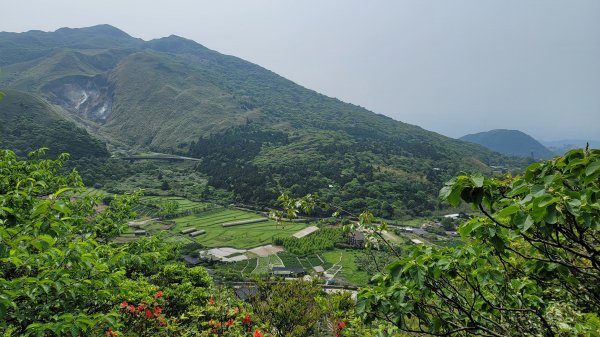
{"points": [[179, 214], [185, 214], [242, 236], [346, 259]]}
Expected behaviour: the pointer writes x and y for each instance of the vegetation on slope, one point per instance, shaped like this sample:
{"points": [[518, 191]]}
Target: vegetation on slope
{"points": [[174, 95], [528, 266], [29, 123]]}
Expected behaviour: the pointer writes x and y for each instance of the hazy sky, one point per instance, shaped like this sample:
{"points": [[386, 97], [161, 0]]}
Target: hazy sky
{"points": [[454, 67]]}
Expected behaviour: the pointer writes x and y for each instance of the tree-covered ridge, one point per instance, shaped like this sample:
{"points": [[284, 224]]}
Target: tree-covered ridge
{"points": [[173, 95], [29, 123], [354, 170], [173, 85]]}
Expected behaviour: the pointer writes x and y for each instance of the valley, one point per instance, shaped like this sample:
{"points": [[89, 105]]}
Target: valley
{"points": [[160, 188], [256, 133], [238, 243]]}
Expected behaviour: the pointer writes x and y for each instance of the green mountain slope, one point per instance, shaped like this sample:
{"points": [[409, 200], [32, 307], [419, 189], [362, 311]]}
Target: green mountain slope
{"points": [[257, 132], [511, 143], [29, 123]]}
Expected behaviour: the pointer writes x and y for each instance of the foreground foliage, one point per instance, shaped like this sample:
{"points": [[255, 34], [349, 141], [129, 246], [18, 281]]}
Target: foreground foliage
{"points": [[530, 265], [61, 275]]}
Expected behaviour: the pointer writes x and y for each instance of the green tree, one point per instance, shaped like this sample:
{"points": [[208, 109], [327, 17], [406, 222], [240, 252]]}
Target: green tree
{"points": [[289, 308], [54, 277], [530, 265], [59, 273]]}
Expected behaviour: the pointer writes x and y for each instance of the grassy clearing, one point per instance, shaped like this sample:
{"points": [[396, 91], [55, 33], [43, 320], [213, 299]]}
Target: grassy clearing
{"points": [[347, 260]]}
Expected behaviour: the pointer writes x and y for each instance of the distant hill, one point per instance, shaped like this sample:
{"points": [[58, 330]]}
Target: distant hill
{"points": [[559, 147], [29, 123], [256, 132], [511, 143]]}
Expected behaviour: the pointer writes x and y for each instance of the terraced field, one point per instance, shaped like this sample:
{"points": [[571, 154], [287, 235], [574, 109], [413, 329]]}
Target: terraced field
{"points": [[242, 236], [264, 264], [150, 205], [184, 204]]}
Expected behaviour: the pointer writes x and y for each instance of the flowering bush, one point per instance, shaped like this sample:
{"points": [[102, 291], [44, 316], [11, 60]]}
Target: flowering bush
{"points": [[229, 317], [144, 319]]}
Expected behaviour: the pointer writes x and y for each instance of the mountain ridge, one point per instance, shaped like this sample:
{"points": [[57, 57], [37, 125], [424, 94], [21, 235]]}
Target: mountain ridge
{"points": [[174, 95]]}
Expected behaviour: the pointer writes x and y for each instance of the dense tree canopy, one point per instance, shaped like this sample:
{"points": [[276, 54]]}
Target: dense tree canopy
{"points": [[60, 275]]}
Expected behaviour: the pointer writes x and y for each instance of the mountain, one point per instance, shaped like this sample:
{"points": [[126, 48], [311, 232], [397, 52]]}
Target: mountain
{"points": [[256, 132], [28, 123], [511, 143]]}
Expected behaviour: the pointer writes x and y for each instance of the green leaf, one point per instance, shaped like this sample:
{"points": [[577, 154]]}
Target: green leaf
{"points": [[574, 206], [548, 200], [593, 168], [468, 227], [523, 220], [61, 191], [477, 179], [551, 215], [510, 210]]}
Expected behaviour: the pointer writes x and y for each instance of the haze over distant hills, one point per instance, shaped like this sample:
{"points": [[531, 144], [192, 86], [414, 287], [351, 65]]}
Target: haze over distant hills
{"points": [[564, 145], [257, 133], [511, 143]]}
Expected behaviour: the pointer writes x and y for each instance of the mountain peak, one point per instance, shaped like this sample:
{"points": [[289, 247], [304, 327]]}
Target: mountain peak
{"points": [[102, 29], [176, 44]]}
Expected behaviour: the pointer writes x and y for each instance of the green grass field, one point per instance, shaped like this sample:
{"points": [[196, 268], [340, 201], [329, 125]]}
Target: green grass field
{"points": [[184, 204], [242, 236], [347, 259]]}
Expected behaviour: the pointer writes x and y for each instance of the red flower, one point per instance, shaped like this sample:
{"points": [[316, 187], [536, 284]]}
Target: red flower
{"points": [[210, 323], [157, 311], [149, 314], [124, 304], [141, 307], [257, 333], [158, 294], [131, 309], [341, 325], [230, 322], [211, 301], [247, 320], [111, 333]]}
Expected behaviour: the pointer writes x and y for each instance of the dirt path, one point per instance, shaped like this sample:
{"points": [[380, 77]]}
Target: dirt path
{"points": [[141, 222]]}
